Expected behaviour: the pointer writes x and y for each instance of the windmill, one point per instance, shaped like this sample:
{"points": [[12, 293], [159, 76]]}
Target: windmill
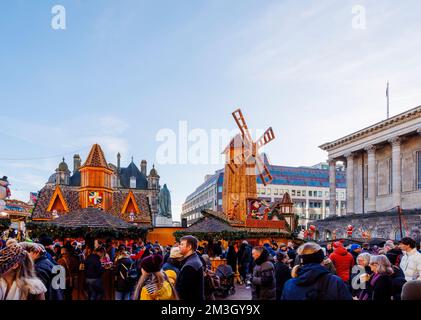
{"points": [[242, 164]]}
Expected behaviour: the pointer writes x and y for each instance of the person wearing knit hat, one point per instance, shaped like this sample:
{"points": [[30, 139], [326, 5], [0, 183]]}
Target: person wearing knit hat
{"points": [[310, 276], [355, 250], [342, 260], [154, 284], [17, 275]]}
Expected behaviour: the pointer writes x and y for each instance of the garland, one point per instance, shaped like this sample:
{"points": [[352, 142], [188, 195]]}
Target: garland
{"points": [[39, 228], [230, 235]]}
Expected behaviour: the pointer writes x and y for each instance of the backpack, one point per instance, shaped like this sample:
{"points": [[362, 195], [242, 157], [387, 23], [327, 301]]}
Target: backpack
{"points": [[131, 274]]}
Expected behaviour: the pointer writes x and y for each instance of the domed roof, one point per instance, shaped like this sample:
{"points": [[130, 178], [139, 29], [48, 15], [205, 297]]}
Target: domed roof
{"points": [[52, 178], [153, 172], [63, 166]]}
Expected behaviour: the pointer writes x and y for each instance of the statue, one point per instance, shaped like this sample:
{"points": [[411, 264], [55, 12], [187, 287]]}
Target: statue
{"points": [[164, 203]]}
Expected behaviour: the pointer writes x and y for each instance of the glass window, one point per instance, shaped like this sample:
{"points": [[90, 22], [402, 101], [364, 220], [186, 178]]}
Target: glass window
{"points": [[310, 193], [268, 191], [275, 192], [293, 192], [303, 193], [299, 193], [320, 194], [132, 182], [219, 188]]}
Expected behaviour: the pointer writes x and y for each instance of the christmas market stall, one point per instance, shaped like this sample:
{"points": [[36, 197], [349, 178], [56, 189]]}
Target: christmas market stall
{"points": [[90, 225]]}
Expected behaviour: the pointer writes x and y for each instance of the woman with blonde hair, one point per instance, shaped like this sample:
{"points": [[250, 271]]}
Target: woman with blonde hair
{"points": [[17, 276], [154, 284], [311, 280]]}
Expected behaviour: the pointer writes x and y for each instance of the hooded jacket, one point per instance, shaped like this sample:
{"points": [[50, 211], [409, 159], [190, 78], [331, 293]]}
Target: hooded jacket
{"points": [[263, 281], [315, 282], [343, 262]]}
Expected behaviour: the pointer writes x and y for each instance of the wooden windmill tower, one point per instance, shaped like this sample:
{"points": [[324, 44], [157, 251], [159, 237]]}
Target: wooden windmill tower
{"points": [[242, 165]]}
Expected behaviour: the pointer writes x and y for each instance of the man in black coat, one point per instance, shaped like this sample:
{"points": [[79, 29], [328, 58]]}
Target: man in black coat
{"points": [[190, 282], [244, 260], [94, 271], [282, 272]]}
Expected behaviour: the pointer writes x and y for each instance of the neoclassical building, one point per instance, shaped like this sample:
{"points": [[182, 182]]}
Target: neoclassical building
{"points": [[383, 170]]}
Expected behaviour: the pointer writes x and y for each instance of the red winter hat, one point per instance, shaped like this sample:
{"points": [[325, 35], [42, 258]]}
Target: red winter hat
{"points": [[337, 244], [152, 263]]}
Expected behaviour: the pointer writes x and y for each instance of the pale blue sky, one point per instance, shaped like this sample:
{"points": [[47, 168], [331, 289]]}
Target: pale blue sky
{"points": [[123, 70]]}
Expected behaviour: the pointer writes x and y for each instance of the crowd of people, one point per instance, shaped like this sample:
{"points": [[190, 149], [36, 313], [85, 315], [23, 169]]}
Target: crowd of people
{"points": [[182, 271]]}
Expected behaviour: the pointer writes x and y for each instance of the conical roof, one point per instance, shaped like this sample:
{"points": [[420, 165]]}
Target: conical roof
{"points": [[96, 158]]}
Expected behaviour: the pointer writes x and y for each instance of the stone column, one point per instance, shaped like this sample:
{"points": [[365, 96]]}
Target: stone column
{"points": [[396, 170], [332, 187], [350, 183], [371, 178]]}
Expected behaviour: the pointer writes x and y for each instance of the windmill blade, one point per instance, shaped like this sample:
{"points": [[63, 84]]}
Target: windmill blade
{"points": [[241, 123], [263, 171], [267, 137]]}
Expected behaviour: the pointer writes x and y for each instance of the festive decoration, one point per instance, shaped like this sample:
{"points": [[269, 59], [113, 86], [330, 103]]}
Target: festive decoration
{"points": [[95, 199], [229, 235], [37, 229], [349, 230], [310, 233]]}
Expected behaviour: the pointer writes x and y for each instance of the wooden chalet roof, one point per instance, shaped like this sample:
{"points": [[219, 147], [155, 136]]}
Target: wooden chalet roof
{"points": [[142, 202], [91, 218], [71, 196], [96, 158]]}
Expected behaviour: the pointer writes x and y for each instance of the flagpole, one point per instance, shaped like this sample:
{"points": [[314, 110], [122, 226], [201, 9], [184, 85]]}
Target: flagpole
{"points": [[387, 95]]}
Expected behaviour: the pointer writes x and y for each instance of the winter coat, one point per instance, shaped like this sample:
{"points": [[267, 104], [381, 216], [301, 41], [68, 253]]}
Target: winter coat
{"points": [[263, 280], [343, 262], [150, 290], [398, 280], [93, 267], [244, 254], [232, 258], [71, 264], [123, 282], [43, 269], [190, 282], [269, 249], [282, 275], [173, 265], [379, 288], [315, 282], [292, 254], [411, 265]]}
